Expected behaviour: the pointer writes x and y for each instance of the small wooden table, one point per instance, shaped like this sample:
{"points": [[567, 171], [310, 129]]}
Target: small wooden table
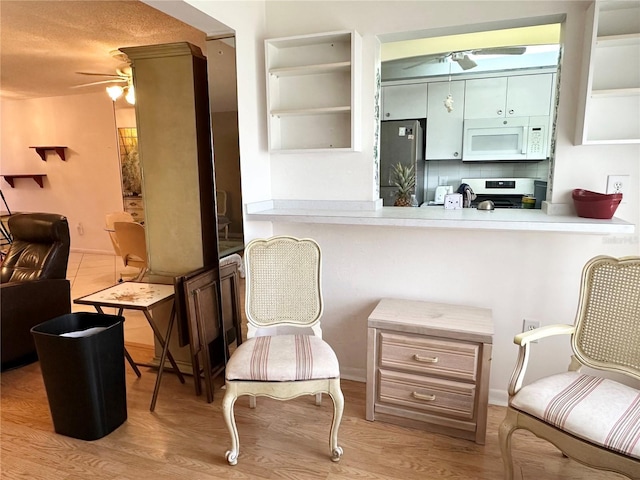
{"points": [[144, 297]]}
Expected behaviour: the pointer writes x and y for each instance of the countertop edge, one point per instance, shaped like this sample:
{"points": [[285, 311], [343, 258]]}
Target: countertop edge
{"points": [[509, 220]]}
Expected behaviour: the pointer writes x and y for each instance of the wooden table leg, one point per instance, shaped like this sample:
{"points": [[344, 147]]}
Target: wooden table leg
{"points": [[126, 353], [163, 357], [164, 343]]}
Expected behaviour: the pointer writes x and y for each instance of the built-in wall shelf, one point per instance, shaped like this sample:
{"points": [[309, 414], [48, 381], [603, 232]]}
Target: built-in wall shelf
{"points": [[311, 111], [328, 118], [312, 69], [609, 100], [42, 151], [37, 177]]}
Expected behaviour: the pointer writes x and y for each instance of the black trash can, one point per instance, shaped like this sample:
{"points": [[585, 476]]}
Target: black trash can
{"points": [[84, 376]]}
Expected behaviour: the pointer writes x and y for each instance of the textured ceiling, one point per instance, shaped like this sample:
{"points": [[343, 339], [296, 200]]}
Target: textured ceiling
{"points": [[43, 43]]}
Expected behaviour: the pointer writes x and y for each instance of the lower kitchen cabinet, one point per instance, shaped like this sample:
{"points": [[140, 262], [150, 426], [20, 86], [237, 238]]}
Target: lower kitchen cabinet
{"points": [[428, 366]]}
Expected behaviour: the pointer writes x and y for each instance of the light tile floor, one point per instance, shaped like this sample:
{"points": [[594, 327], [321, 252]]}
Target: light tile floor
{"points": [[89, 273]]}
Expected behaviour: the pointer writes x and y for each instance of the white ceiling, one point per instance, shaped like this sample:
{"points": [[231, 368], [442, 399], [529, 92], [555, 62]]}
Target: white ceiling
{"points": [[43, 43]]}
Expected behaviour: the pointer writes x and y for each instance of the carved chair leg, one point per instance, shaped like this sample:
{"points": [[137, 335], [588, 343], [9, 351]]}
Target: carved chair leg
{"points": [[227, 411], [252, 401], [507, 427], [338, 407], [318, 399]]}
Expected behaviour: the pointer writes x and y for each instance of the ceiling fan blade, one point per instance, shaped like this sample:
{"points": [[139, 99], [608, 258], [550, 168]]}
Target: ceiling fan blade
{"points": [[101, 74], [100, 83], [465, 62], [500, 51], [422, 59]]}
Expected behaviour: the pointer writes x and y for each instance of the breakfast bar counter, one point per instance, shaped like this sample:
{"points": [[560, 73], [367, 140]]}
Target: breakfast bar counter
{"points": [[531, 220]]}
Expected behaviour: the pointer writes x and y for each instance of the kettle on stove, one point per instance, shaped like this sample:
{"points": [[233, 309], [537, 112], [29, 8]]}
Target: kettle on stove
{"points": [[467, 195]]}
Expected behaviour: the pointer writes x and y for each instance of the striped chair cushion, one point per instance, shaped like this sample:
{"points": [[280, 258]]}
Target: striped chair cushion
{"points": [[601, 411], [283, 358]]}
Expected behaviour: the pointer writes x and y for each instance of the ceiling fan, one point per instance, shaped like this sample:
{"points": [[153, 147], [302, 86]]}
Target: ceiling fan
{"points": [[122, 83], [123, 75], [463, 57]]}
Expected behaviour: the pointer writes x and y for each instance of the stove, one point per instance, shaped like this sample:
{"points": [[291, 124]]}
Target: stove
{"points": [[503, 192]]}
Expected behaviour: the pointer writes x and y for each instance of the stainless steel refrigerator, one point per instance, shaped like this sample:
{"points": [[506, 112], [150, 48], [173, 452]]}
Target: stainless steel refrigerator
{"points": [[401, 141]]}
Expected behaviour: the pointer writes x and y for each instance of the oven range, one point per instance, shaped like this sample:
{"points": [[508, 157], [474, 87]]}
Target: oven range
{"points": [[503, 192]]}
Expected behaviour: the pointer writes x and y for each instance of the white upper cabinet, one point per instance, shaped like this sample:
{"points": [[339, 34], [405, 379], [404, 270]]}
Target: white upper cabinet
{"points": [[313, 90], [403, 102], [514, 96], [609, 101], [444, 128]]}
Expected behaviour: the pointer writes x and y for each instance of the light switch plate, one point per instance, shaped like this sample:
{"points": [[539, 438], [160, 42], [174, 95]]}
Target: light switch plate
{"points": [[453, 201]]}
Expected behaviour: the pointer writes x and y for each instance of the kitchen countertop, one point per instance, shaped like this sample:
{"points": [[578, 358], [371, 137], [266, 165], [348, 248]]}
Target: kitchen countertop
{"points": [[437, 217]]}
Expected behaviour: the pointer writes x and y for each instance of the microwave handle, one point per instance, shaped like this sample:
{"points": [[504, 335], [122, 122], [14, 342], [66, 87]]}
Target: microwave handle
{"points": [[525, 140]]}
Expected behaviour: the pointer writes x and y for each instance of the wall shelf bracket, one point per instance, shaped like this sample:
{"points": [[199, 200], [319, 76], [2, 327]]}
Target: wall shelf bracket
{"points": [[42, 152], [37, 177]]}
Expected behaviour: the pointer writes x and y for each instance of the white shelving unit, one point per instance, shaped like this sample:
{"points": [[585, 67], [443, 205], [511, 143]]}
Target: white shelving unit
{"points": [[609, 111], [313, 89]]}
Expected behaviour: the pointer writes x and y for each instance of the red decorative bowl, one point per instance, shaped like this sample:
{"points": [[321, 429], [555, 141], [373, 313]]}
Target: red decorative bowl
{"points": [[595, 205]]}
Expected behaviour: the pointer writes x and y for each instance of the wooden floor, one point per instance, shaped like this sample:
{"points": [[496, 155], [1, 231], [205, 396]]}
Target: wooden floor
{"points": [[185, 438]]}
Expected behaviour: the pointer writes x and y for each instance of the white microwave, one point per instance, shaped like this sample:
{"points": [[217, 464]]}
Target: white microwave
{"points": [[506, 139]]}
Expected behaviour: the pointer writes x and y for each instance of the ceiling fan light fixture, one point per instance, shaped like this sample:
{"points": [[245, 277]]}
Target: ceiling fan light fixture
{"points": [[130, 95], [115, 92]]}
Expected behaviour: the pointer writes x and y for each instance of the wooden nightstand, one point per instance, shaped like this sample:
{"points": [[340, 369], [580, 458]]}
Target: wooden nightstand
{"points": [[135, 206], [428, 366]]}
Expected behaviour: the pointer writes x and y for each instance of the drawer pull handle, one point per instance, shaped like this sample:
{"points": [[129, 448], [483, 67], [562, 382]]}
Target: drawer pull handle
{"points": [[425, 359], [421, 396]]}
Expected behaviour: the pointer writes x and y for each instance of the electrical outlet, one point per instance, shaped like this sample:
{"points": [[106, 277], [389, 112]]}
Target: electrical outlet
{"points": [[617, 184], [528, 325]]}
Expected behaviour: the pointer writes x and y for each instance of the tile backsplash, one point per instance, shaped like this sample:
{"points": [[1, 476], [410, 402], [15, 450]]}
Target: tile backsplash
{"points": [[455, 170]]}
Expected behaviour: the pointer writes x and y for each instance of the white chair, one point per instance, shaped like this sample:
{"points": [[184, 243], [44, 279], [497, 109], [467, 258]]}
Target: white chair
{"points": [[110, 219], [221, 208], [133, 246], [283, 289], [591, 419]]}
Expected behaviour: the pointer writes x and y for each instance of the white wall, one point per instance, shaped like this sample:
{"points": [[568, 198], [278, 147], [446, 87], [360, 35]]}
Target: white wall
{"points": [[517, 275], [84, 187]]}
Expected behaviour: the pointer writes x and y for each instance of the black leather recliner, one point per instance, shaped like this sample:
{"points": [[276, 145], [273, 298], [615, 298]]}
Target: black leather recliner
{"points": [[33, 283]]}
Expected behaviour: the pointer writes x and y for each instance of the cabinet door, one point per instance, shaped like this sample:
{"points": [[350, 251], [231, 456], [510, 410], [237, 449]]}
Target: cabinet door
{"points": [[485, 98], [444, 128], [402, 102], [529, 95]]}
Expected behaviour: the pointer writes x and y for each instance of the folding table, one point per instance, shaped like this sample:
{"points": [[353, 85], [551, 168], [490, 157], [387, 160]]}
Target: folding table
{"points": [[144, 297]]}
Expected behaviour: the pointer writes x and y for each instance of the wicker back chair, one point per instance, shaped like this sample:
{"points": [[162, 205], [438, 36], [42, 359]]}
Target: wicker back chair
{"points": [[562, 408], [283, 289]]}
